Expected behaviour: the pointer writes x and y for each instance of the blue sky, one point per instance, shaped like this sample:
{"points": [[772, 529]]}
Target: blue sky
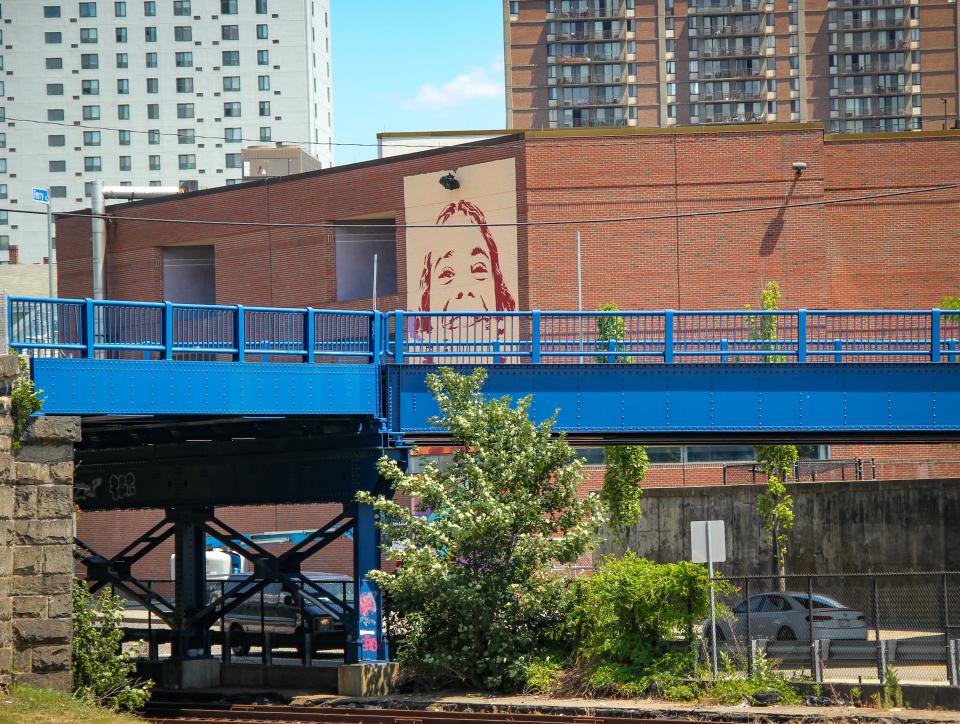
{"points": [[414, 65]]}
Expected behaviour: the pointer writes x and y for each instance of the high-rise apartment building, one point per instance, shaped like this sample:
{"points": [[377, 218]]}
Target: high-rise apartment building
{"points": [[856, 65], [163, 93]]}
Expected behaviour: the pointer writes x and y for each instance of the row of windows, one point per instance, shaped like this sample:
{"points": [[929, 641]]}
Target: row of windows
{"points": [[91, 61], [180, 8], [124, 137], [231, 84], [181, 33]]}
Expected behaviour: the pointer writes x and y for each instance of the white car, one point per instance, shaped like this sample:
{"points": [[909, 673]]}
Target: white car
{"points": [[786, 617]]}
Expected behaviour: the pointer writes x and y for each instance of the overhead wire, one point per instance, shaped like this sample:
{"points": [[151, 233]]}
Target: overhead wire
{"points": [[519, 224]]}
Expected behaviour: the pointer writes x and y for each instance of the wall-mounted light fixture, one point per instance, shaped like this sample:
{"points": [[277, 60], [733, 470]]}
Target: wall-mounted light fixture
{"points": [[799, 167], [449, 182]]}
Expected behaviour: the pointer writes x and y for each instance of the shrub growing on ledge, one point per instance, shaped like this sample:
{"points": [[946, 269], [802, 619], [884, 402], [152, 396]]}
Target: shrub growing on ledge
{"points": [[475, 590], [23, 401]]}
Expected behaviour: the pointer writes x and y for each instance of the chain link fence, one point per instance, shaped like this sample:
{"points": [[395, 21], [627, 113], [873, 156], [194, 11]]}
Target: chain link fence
{"points": [[843, 628]]}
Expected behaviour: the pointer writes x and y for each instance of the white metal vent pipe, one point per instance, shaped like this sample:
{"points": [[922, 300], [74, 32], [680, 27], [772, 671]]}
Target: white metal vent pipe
{"points": [[99, 222]]}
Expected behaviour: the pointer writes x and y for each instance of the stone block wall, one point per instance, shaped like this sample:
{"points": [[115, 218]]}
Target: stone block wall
{"points": [[36, 545]]}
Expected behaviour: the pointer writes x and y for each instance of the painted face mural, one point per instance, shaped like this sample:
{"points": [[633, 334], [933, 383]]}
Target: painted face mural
{"points": [[465, 264]]}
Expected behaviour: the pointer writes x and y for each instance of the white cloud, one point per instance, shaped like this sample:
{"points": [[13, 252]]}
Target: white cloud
{"points": [[475, 84]]}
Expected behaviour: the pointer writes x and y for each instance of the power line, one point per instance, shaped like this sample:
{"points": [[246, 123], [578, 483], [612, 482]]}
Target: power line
{"points": [[141, 131], [549, 222]]}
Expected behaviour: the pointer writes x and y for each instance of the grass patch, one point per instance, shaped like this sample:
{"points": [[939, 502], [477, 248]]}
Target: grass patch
{"points": [[26, 705]]}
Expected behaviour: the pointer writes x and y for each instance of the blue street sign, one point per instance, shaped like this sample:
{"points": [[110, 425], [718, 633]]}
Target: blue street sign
{"points": [[41, 195]]}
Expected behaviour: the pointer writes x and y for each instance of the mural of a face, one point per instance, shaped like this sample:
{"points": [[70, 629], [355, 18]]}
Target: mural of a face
{"points": [[463, 274], [462, 247]]}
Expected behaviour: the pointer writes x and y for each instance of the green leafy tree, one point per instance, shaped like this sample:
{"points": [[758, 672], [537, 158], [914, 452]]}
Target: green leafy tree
{"points": [[626, 465], [952, 303], [475, 590], [102, 673], [774, 505]]}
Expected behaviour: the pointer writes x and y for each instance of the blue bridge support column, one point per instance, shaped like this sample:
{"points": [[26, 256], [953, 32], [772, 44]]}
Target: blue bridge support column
{"points": [[366, 639]]}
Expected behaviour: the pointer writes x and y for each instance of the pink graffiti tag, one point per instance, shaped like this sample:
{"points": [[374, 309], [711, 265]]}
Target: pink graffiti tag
{"points": [[369, 643], [368, 605]]}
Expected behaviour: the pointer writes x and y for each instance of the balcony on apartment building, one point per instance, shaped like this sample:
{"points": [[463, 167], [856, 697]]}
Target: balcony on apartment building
{"points": [[867, 42], [870, 19], [593, 96], [894, 84], [729, 26], [592, 117], [866, 64], [876, 125], [868, 108], [609, 75], [863, 4], [699, 7], [732, 48], [591, 31], [733, 91], [584, 10], [733, 113], [577, 52], [725, 69]]}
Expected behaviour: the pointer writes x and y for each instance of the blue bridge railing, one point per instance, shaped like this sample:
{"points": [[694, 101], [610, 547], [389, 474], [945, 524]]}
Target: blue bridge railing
{"points": [[163, 330]]}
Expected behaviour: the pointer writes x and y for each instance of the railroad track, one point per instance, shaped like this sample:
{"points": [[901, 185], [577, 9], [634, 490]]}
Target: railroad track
{"points": [[183, 714]]}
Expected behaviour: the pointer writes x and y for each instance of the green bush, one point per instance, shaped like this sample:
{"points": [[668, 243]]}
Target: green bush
{"points": [[633, 611], [24, 401], [102, 673]]}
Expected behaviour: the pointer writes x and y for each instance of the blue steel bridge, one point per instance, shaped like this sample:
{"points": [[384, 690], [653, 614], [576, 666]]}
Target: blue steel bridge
{"points": [[189, 407]]}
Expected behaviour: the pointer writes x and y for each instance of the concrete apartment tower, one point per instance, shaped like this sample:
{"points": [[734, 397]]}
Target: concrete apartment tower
{"points": [[859, 66], [162, 93]]}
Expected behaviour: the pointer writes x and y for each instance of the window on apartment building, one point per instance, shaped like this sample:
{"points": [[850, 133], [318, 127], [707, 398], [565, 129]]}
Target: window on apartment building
{"points": [[233, 160], [263, 32], [54, 114], [89, 61], [230, 57], [123, 138], [181, 7], [231, 83], [90, 87], [153, 137], [153, 85], [123, 86], [123, 113], [150, 8], [184, 60], [121, 35], [4, 215], [264, 109], [154, 163], [262, 7], [266, 133], [184, 85], [91, 138], [232, 135], [231, 110], [58, 192], [153, 111], [123, 60], [91, 113], [263, 57], [514, 7], [126, 163], [183, 33], [185, 110], [51, 11], [57, 166], [186, 135], [52, 38], [3, 191], [88, 189], [150, 34], [88, 10], [88, 35], [151, 60], [263, 82], [186, 161], [355, 249], [229, 7], [54, 63], [230, 32], [54, 89], [120, 10], [189, 274], [92, 163]]}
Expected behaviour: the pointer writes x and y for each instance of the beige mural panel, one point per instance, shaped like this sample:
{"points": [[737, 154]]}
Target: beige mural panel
{"points": [[467, 263]]}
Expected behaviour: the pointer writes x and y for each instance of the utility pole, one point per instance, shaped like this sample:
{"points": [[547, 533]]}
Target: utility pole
{"points": [[51, 271], [580, 294]]}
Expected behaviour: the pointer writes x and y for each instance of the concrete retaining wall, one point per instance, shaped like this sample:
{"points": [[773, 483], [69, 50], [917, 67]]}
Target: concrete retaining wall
{"points": [[870, 526], [36, 545]]}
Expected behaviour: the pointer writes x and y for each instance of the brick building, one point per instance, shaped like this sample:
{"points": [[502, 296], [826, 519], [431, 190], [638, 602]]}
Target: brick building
{"points": [[856, 65], [886, 252]]}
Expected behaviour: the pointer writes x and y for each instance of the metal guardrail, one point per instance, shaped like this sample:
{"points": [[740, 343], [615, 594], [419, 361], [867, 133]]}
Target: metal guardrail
{"points": [[163, 330]]}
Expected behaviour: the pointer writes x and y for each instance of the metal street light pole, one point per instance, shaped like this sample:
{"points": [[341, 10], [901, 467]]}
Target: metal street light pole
{"points": [[50, 250]]}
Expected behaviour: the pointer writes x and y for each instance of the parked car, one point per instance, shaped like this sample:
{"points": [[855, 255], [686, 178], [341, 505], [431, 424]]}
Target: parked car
{"points": [[786, 617], [314, 609]]}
